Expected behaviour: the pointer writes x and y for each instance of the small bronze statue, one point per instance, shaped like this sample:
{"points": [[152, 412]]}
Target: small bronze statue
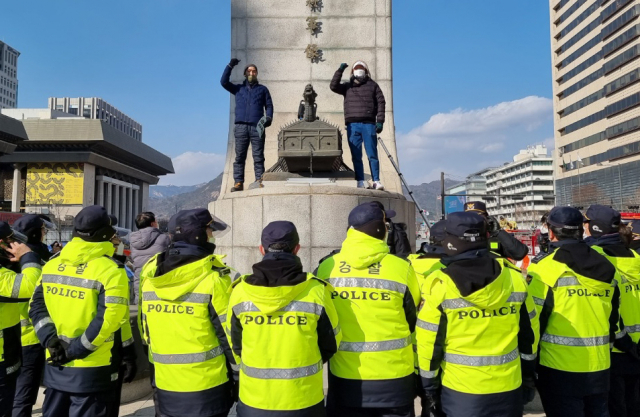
{"points": [[308, 107]]}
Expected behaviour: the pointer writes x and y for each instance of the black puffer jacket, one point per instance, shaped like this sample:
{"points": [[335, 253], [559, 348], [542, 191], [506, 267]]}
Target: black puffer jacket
{"points": [[363, 103]]}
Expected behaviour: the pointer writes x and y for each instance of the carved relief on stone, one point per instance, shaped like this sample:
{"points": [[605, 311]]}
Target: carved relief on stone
{"points": [[313, 53], [313, 25], [316, 5]]}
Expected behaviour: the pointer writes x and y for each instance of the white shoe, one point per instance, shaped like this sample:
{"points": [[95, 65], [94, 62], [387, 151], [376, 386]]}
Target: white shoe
{"points": [[361, 184], [377, 185]]}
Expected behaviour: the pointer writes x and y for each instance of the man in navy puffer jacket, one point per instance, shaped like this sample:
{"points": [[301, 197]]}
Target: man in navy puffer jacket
{"points": [[254, 112]]}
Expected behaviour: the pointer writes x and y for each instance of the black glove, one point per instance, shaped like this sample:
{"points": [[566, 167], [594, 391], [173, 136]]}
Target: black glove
{"points": [[379, 127], [493, 226], [129, 369], [57, 352], [267, 123], [235, 391], [343, 66], [234, 62], [432, 406], [528, 389]]}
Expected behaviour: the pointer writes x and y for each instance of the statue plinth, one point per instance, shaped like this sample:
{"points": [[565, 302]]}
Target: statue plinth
{"points": [[319, 212]]}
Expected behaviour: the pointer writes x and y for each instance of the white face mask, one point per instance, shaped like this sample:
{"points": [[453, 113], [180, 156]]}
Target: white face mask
{"points": [[359, 73], [544, 229], [212, 239]]}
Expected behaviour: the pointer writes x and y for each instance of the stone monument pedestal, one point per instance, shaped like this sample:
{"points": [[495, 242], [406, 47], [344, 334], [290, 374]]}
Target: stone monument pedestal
{"points": [[319, 212]]}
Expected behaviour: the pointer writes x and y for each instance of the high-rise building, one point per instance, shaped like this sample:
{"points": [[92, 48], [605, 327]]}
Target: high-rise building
{"points": [[8, 76], [97, 108], [523, 189], [595, 45]]}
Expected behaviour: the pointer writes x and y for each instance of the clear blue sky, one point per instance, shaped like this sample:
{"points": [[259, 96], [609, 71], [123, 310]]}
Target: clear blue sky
{"points": [[160, 61]]}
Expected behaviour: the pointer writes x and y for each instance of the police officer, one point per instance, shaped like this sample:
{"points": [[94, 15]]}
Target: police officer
{"points": [[477, 330], [502, 243], [603, 225], [376, 295], [284, 327], [83, 348], [576, 295], [15, 288], [183, 305], [33, 227]]}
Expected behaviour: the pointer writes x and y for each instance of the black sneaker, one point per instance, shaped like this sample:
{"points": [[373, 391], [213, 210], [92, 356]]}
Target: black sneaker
{"points": [[237, 187]]}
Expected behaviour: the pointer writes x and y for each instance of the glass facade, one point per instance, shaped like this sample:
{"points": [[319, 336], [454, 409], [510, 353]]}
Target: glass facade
{"points": [[612, 109], [580, 18], [617, 185]]}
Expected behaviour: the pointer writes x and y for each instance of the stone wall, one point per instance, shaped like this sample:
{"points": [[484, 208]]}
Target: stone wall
{"points": [[319, 212], [273, 35]]}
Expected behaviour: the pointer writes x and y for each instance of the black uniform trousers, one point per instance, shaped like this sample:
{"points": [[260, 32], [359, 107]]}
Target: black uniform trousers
{"points": [[66, 404], [558, 405], [7, 393], [335, 409], [624, 396], [28, 380]]}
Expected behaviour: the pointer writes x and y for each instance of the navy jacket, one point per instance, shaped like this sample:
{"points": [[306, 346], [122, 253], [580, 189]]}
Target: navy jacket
{"points": [[251, 100]]}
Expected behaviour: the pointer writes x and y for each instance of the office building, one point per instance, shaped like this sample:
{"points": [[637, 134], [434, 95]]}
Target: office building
{"points": [[595, 45], [57, 165], [523, 189], [97, 108], [8, 76]]}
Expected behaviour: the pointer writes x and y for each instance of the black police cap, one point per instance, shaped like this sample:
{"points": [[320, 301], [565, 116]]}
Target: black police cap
{"points": [[187, 221], [366, 213], [565, 217], [280, 232], [468, 225], [477, 206], [602, 219], [5, 230], [28, 222], [438, 231], [91, 219]]}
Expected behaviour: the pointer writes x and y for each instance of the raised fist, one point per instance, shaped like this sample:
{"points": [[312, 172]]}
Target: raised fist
{"points": [[234, 62]]}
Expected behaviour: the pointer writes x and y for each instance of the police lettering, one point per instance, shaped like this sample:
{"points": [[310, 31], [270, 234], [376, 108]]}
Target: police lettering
{"points": [[276, 320], [485, 314], [582, 292], [169, 308], [361, 295], [66, 292], [631, 287]]}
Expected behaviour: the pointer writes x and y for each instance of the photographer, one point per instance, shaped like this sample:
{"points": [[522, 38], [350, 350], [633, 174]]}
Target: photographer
{"points": [[501, 242]]}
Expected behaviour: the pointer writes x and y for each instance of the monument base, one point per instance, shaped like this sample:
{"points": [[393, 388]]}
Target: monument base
{"points": [[319, 212]]}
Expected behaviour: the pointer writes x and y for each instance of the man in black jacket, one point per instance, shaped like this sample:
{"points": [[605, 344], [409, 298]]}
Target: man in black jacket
{"points": [[364, 107], [501, 242]]}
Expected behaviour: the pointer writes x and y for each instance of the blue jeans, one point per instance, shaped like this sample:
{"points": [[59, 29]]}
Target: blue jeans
{"points": [[245, 135], [357, 133]]}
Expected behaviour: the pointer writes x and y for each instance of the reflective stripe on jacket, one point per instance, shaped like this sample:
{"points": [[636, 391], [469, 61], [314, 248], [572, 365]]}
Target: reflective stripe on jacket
{"points": [[372, 290], [15, 290], [278, 332], [475, 344], [183, 313], [578, 330], [629, 285], [83, 299]]}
